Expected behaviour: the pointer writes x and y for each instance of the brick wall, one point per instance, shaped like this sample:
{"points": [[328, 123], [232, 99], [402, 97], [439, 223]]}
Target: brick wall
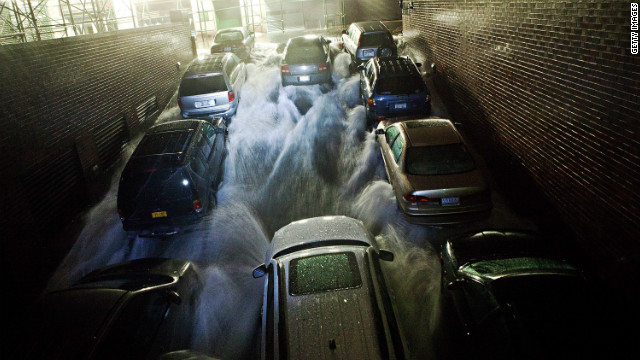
{"points": [[66, 107], [551, 88]]}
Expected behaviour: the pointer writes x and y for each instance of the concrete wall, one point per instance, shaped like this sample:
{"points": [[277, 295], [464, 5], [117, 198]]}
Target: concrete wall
{"points": [[552, 90], [66, 108]]}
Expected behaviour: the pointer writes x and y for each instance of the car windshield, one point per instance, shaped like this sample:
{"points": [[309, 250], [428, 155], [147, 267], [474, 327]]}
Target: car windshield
{"points": [[202, 85], [375, 39], [510, 265], [439, 160], [323, 272], [228, 36], [400, 85], [306, 52]]}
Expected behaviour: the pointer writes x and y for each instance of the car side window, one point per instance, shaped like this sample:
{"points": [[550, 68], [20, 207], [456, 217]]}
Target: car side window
{"points": [[368, 71], [391, 134], [397, 147], [230, 66], [197, 164]]}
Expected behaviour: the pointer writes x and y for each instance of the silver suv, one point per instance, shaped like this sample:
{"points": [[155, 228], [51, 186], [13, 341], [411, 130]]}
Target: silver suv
{"points": [[364, 40], [210, 87]]}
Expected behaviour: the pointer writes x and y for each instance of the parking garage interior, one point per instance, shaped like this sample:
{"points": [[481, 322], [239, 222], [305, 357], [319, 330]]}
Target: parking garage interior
{"points": [[547, 91]]}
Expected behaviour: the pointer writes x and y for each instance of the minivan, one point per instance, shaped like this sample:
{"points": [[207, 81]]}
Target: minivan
{"points": [[171, 179], [210, 88], [366, 39]]}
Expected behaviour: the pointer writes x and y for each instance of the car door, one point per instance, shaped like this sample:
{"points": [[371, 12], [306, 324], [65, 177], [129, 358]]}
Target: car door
{"points": [[390, 135]]}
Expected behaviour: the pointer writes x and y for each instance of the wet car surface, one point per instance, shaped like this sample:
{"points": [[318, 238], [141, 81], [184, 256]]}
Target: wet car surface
{"points": [[306, 60], [133, 310], [433, 174], [172, 177], [515, 296]]}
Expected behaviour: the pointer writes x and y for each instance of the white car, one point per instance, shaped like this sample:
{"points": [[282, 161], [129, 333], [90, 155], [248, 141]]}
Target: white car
{"points": [[325, 294]]}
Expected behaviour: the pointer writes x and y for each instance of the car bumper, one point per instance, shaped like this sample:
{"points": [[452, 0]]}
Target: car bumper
{"points": [[208, 114], [162, 227], [318, 78], [441, 215]]}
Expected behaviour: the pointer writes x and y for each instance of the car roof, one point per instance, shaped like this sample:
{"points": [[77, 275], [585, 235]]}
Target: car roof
{"points": [[318, 231], [371, 26], [208, 63], [395, 66], [490, 244], [430, 131], [241, 29]]}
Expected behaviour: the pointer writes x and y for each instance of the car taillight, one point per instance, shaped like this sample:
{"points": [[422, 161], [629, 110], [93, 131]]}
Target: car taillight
{"points": [[121, 214], [179, 103], [197, 205], [417, 199], [322, 66], [231, 96], [360, 37], [284, 68], [371, 101]]}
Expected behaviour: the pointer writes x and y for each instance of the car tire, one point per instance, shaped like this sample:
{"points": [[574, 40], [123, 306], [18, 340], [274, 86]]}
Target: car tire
{"points": [[385, 52]]}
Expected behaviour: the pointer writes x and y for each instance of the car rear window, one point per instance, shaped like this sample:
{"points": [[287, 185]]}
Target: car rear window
{"points": [[439, 160], [375, 39], [170, 142], [228, 36], [400, 85], [202, 85], [304, 52], [323, 272]]}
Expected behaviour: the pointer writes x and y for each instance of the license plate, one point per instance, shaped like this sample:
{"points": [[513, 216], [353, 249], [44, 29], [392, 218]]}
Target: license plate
{"points": [[401, 106], [454, 200], [304, 78], [205, 103], [227, 49], [369, 53], [158, 214]]}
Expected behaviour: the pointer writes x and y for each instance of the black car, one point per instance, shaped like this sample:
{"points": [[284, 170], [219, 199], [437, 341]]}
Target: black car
{"points": [[171, 179], [306, 61], [366, 39], [239, 41], [393, 87], [134, 310], [516, 297]]}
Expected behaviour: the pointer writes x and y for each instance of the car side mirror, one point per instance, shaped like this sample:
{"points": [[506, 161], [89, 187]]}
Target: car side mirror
{"points": [[455, 284], [173, 297], [419, 64], [386, 255], [260, 271], [220, 130], [379, 131], [360, 67]]}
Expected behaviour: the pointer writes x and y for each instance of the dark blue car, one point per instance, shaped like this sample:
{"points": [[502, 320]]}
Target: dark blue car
{"points": [[393, 87]]}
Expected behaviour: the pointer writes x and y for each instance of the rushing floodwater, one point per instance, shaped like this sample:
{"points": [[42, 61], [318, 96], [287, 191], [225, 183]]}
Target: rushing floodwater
{"points": [[293, 153]]}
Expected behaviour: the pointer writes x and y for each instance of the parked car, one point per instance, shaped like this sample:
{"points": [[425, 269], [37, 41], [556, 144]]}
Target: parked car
{"points": [[366, 39], [325, 294], [239, 41], [434, 176], [393, 87], [210, 88], [171, 179], [516, 297], [306, 61], [134, 310]]}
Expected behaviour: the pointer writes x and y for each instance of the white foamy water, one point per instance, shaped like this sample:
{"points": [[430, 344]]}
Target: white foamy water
{"points": [[292, 153]]}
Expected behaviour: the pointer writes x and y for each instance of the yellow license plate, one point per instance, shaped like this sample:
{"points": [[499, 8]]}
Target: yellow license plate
{"points": [[158, 214]]}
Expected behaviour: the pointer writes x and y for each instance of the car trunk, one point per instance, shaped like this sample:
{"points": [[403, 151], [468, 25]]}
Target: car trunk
{"points": [[204, 92]]}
